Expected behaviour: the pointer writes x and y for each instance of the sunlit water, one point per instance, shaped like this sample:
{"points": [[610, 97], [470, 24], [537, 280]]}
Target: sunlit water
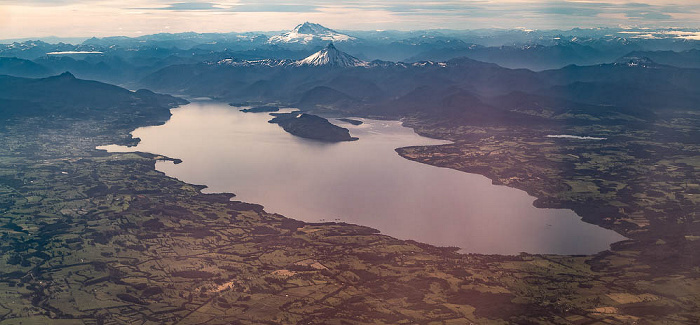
{"points": [[363, 182]]}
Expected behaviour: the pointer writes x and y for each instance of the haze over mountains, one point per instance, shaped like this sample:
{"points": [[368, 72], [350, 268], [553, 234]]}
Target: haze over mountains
{"points": [[123, 60], [68, 97], [483, 75]]}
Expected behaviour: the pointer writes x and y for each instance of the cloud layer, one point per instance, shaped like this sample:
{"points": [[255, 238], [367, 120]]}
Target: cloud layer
{"points": [[26, 18]]}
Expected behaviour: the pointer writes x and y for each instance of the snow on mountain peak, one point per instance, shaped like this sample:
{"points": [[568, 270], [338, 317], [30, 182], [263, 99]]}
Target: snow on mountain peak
{"points": [[633, 61], [308, 32], [311, 28], [331, 56]]}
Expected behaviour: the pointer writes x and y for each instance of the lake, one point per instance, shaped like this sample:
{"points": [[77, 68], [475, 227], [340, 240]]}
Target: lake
{"points": [[362, 182]]}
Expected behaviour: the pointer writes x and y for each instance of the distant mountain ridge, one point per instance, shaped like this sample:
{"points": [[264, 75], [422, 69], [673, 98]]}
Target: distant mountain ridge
{"points": [[125, 60], [682, 59], [459, 89], [636, 61], [66, 96], [24, 68]]}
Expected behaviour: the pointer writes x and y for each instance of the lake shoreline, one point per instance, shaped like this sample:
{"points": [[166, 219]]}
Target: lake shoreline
{"points": [[111, 232], [530, 199]]}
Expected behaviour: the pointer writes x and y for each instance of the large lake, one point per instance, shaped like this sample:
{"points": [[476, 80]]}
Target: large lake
{"points": [[363, 182]]}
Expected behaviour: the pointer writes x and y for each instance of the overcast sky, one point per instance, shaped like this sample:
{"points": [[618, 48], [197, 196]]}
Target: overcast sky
{"points": [[78, 18]]}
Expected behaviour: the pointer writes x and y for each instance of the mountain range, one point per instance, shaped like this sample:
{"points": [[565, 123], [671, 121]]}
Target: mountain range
{"points": [[321, 70], [123, 60], [333, 82]]}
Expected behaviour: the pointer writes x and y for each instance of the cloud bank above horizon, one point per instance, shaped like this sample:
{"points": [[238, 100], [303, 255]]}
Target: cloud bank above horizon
{"points": [[77, 18]]}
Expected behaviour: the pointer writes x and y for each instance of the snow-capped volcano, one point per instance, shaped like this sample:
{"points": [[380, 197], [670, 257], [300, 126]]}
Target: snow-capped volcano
{"points": [[309, 32], [330, 56]]}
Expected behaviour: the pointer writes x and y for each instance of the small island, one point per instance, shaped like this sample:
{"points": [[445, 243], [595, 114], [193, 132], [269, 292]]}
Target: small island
{"points": [[247, 103], [261, 109], [311, 127], [351, 121]]}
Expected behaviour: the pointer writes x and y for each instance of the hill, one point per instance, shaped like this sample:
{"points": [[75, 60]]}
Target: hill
{"points": [[66, 96]]}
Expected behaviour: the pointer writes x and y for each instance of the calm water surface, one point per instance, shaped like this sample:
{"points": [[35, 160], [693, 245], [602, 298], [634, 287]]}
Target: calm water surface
{"points": [[363, 182]]}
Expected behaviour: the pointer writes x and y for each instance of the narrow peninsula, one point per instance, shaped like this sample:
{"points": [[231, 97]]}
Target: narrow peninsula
{"points": [[351, 121], [261, 109]]}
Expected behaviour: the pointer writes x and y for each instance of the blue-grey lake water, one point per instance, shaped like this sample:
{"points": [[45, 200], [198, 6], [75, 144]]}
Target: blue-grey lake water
{"points": [[363, 182]]}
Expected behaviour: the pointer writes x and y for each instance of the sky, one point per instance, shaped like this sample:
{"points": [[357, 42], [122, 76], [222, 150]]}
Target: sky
{"points": [[83, 18]]}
